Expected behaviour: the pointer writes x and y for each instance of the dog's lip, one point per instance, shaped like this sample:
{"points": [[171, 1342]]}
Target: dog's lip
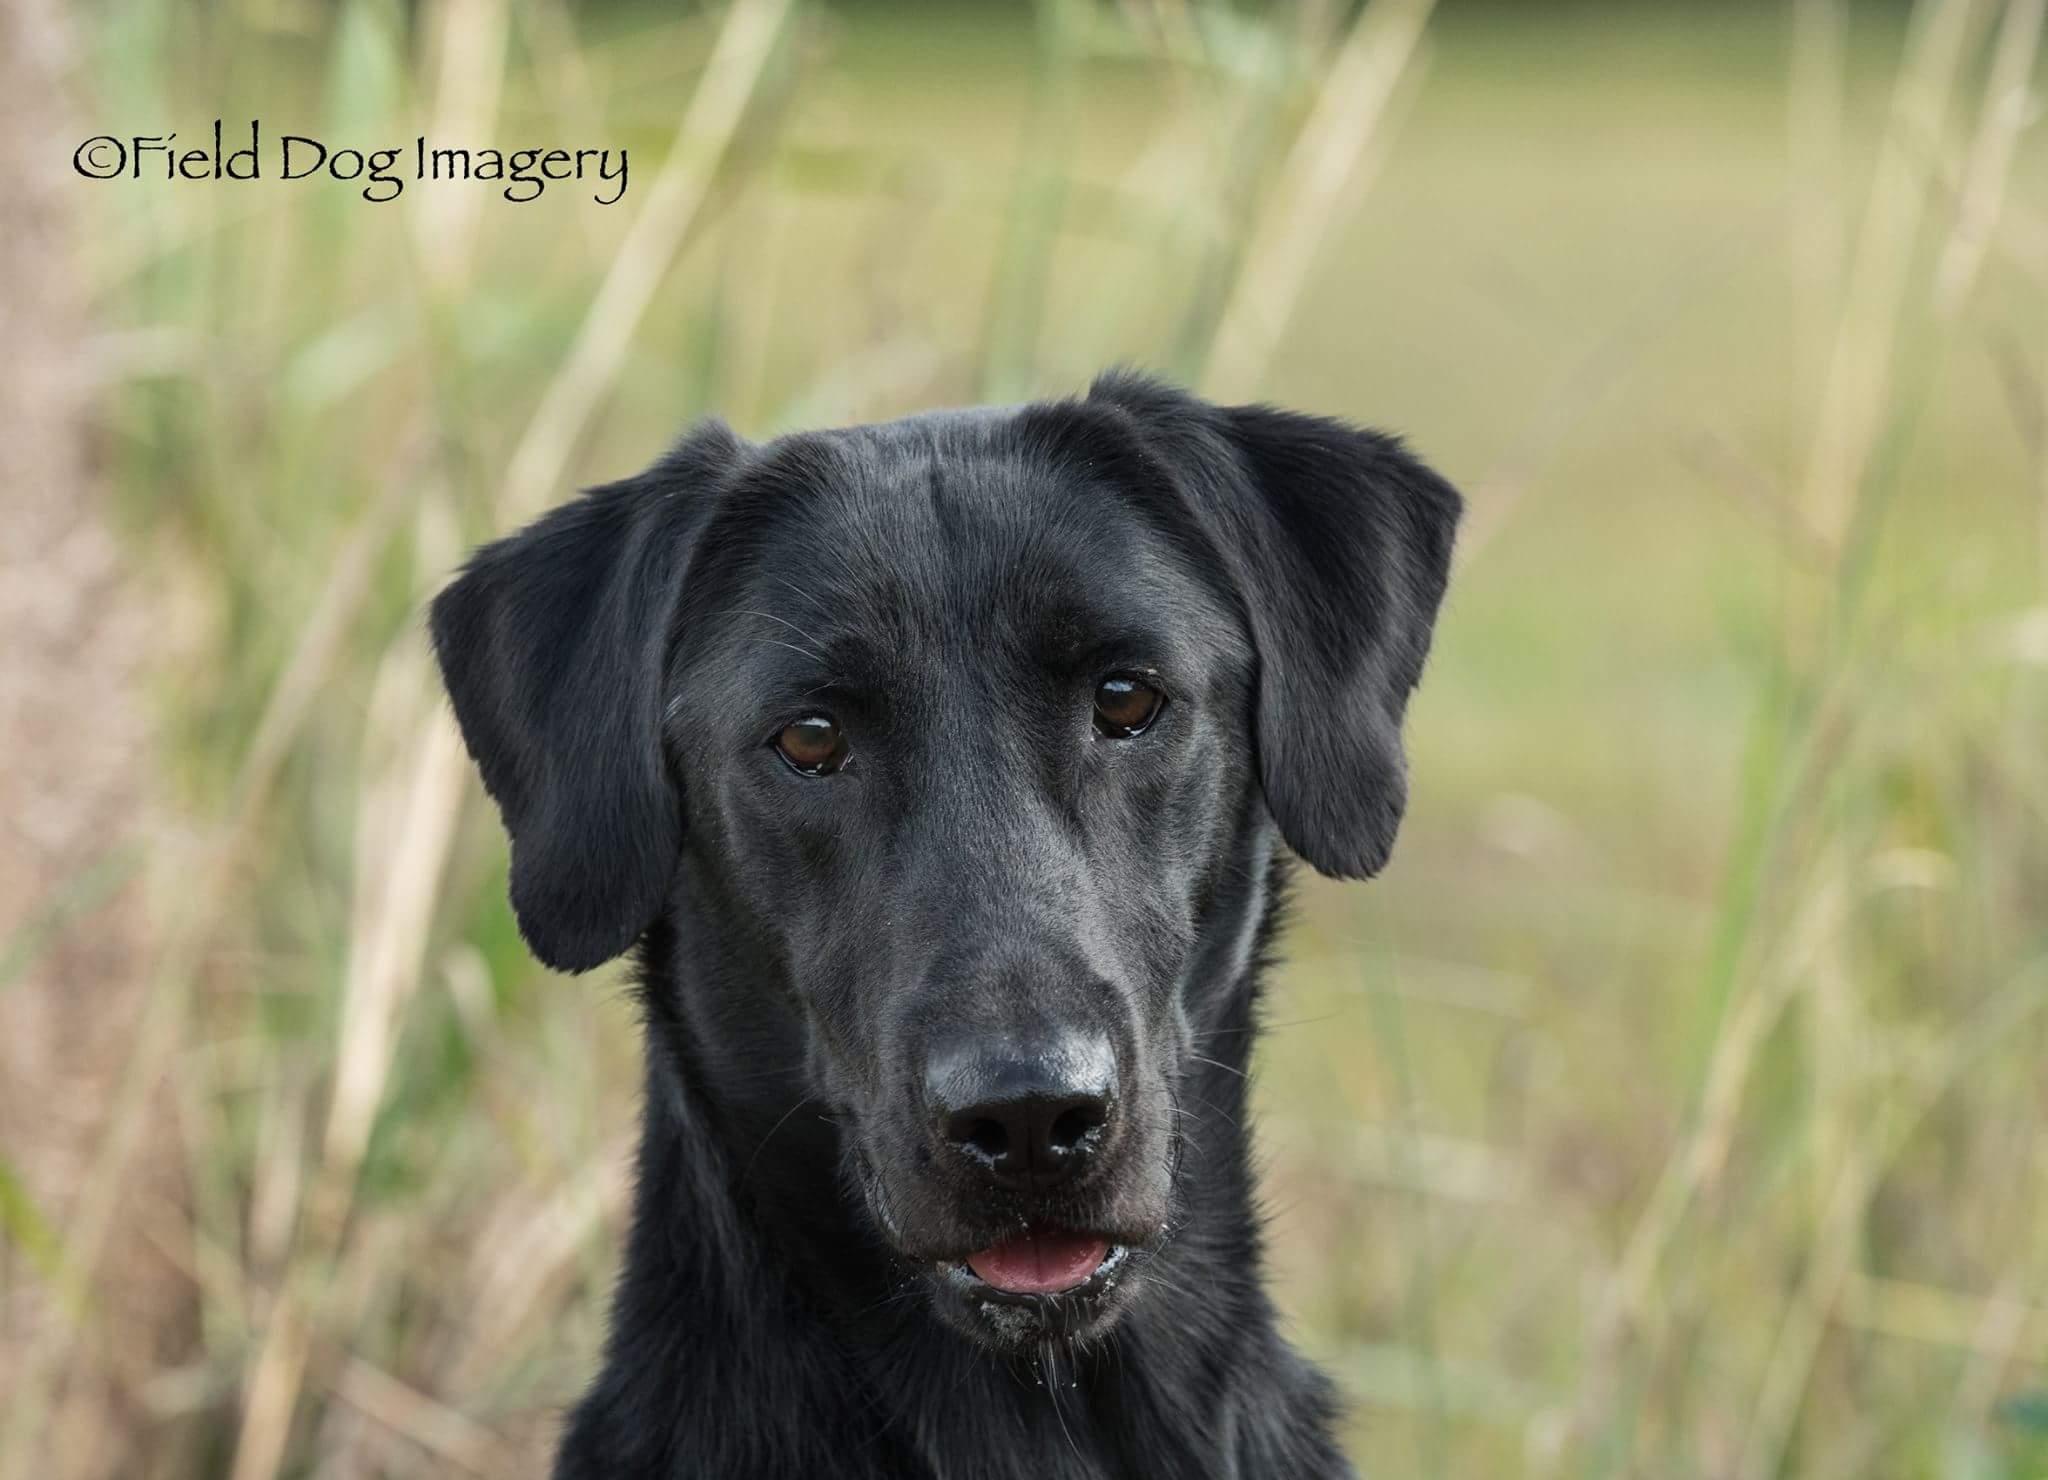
{"points": [[1069, 1284]]}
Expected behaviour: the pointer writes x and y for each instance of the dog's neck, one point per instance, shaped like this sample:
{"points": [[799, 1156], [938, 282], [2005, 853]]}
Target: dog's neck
{"points": [[761, 1326]]}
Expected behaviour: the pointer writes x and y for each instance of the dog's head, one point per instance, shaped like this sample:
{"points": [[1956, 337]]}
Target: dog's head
{"points": [[974, 723]]}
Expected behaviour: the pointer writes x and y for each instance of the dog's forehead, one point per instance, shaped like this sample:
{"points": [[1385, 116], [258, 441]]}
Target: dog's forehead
{"points": [[949, 521]]}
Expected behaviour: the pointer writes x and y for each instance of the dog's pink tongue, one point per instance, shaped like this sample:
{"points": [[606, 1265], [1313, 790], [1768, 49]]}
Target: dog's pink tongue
{"points": [[1041, 1262]]}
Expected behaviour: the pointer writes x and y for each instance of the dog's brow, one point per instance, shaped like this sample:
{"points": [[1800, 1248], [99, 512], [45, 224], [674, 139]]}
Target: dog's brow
{"points": [[817, 663], [1078, 633]]}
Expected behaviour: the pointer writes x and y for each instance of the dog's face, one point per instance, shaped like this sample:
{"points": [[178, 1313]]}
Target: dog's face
{"points": [[974, 722], [965, 733]]}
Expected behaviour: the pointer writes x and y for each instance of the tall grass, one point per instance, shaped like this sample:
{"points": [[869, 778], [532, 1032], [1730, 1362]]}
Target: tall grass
{"points": [[1671, 1108]]}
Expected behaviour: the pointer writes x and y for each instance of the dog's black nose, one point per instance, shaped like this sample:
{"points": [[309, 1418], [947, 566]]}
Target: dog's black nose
{"points": [[1028, 1116]]}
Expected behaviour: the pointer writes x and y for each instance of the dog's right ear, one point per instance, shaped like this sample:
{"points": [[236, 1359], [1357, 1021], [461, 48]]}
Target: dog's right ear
{"points": [[553, 644]]}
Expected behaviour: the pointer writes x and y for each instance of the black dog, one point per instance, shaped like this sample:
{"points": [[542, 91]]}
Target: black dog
{"points": [[937, 770]]}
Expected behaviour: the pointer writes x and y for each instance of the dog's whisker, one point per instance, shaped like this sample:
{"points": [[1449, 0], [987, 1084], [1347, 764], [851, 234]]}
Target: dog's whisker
{"points": [[818, 658], [1214, 1109], [809, 598], [1257, 1028], [786, 1117], [780, 621], [1050, 1367], [1219, 1064]]}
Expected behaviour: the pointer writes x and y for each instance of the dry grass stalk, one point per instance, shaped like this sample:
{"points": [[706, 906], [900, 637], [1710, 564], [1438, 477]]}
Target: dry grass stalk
{"points": [[515, 1276], [1832, 1258], [1814, 120], [731, 80], [471, 76], [1996, 1326], [1291, 227], [1859, 378], [449, 1435], [407, 821], [1989, 166], [185, 941]]}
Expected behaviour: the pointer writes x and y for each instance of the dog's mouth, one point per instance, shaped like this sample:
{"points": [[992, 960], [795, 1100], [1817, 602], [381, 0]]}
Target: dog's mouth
{"points": [[1043, 1261], [1046, 1281], [1047, 1284]]}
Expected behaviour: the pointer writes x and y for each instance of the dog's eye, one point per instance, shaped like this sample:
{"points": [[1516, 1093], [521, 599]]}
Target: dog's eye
{"points": [[813, 745], [1125, 705]]}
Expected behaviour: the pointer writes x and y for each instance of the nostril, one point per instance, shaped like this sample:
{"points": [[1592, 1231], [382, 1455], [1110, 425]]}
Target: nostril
{"points": [[989, 1139], [1073, 1128]]}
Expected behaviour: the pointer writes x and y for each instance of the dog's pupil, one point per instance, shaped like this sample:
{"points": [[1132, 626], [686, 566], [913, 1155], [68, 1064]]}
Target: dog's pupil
{"points": [[1124, 706], [811, 743]]}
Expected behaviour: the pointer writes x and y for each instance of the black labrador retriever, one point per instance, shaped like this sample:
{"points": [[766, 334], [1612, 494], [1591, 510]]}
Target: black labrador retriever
{"points": [[937, 770]]}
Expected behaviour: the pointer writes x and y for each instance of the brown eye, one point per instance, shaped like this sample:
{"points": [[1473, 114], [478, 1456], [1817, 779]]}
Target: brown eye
{"points": [[1124, 705], [813, 745]]}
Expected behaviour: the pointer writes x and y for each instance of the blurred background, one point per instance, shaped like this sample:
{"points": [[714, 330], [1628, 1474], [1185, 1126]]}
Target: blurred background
{"points": [[1672, 1107]]}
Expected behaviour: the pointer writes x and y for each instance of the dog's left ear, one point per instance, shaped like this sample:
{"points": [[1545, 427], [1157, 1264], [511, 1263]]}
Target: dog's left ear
{"points": [[552, 644], [1339, 543]]}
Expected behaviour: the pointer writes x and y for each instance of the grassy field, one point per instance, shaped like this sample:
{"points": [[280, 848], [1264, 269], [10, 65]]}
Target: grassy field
{"points": [[1672, 1107]]}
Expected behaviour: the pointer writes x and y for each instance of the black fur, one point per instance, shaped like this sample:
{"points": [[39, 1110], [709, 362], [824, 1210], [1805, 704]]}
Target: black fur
{"points": [[987, 869]]}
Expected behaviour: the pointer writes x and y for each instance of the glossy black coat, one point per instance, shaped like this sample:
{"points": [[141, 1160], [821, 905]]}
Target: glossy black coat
{"points": [[986, 876]]}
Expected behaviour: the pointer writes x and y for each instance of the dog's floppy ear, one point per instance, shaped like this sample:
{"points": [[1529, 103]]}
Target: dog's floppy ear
{"points": [[1339, 543], [552, 644]]}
